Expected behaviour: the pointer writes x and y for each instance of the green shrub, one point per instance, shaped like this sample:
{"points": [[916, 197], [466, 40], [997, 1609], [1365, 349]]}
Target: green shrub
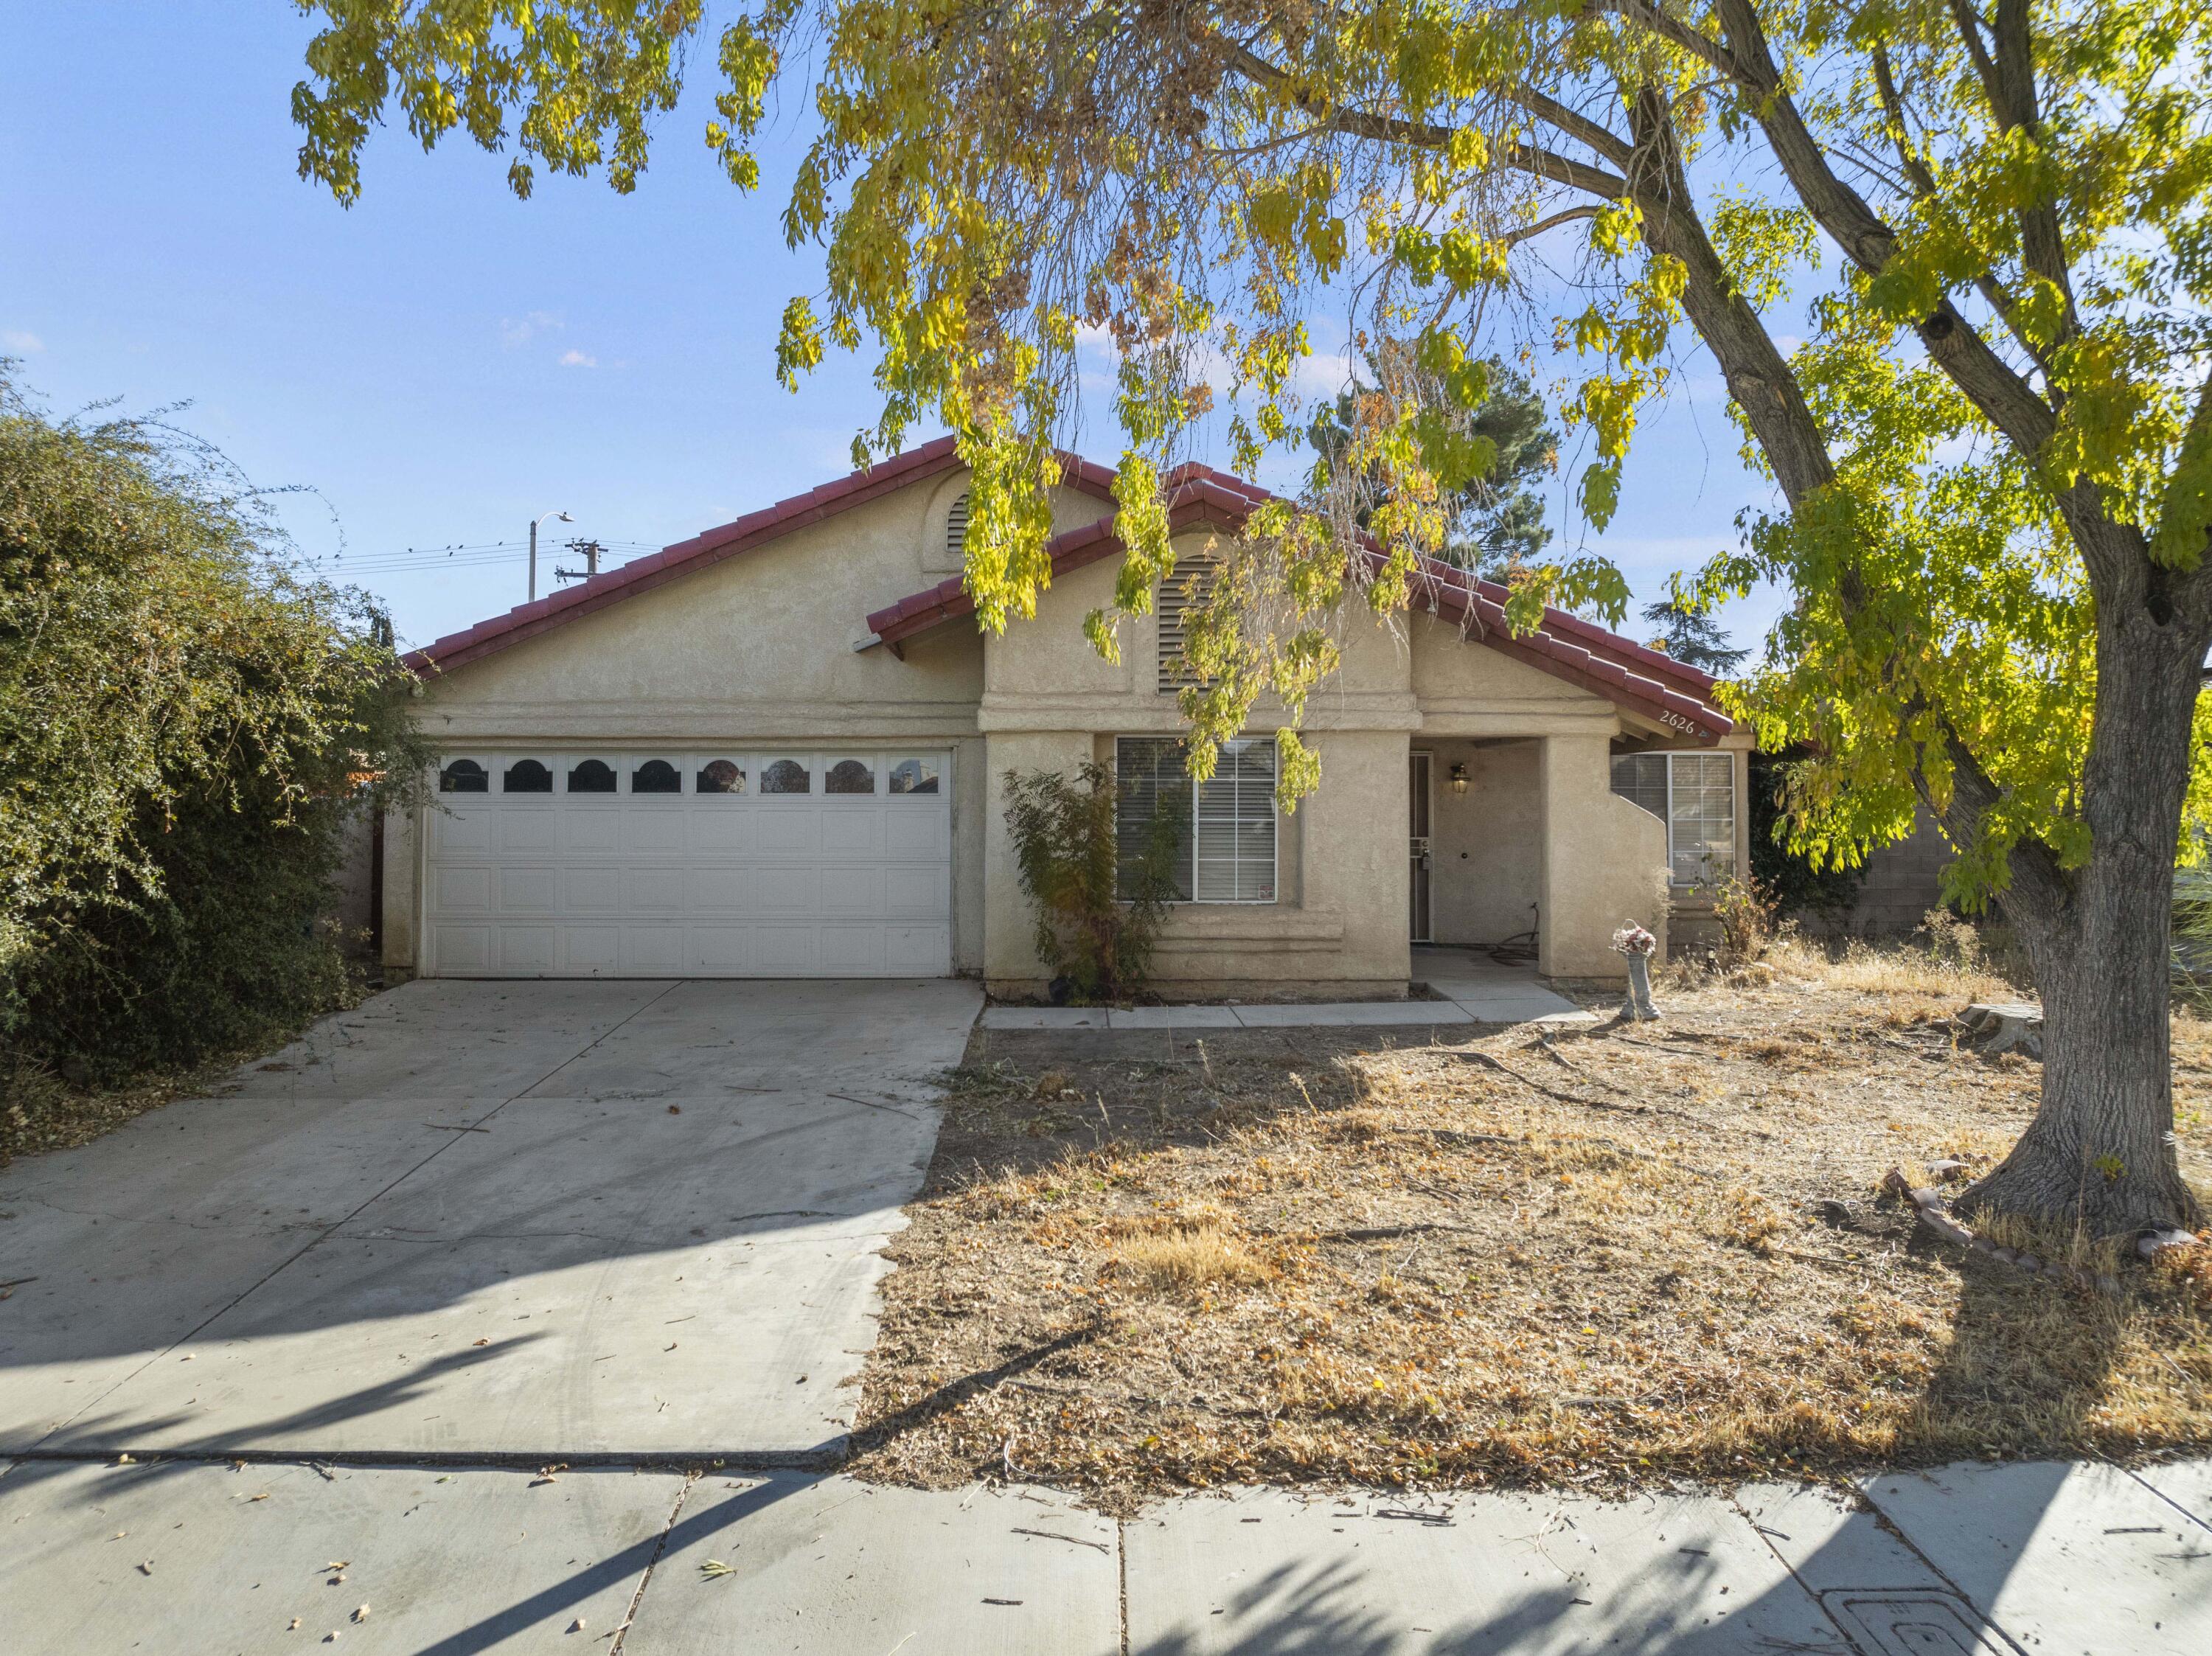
{"points": [[1098, 904], [185, 718]]}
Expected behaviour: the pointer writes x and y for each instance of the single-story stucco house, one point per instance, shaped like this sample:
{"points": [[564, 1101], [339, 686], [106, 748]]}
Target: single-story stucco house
{"points": [[776, 751]]}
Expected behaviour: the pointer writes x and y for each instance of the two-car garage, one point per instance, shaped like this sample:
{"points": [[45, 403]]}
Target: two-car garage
{"points": [[740, 861]]}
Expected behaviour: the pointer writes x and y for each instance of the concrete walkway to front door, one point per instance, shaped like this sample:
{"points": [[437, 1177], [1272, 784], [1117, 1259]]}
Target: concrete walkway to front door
{"points": [[539, 1221], [1470, 987]]}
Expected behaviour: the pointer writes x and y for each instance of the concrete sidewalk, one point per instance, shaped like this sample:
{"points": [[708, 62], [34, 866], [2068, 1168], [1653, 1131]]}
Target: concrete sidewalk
{"points": [[189, 1557]]}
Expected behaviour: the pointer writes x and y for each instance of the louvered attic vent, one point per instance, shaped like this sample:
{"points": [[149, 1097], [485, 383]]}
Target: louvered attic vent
{"points": [[955, 526], [1179, 592]]}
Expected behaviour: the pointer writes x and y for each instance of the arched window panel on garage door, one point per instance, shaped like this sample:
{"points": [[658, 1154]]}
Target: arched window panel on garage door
{"points": [[721, 776], [784, 774], [526, 776], [849, 776], [656, 776], [591, 776], [464, 776]]}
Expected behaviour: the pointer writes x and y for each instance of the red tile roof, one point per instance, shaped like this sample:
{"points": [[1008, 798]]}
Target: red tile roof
{"points": [[1670, 692], [1666, 690], [703, 550]]}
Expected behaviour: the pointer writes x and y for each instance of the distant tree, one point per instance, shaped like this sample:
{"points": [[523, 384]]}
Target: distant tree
{"points": [[1496, 518], [1693, 638]]}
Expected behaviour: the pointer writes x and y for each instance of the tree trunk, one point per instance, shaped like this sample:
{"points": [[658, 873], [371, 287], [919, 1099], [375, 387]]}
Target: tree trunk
{"points": [[2099, 1154]]}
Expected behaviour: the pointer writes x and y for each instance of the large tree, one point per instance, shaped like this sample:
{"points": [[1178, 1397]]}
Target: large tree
{"points": [[1992, 460]]}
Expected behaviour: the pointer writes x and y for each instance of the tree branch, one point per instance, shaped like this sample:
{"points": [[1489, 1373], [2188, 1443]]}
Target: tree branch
{"points": [[2005, 399], [1575, 126], [1514, 237], [1428, 135], [1702, 46], [1922, 183]]}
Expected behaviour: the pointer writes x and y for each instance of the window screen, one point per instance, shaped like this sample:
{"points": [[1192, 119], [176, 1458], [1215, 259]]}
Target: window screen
{"points": [[1231, 853]]}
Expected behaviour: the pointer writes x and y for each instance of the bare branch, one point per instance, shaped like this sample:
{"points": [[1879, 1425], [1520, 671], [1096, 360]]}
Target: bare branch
{"points": [[1550, 110], [1514, 237]]}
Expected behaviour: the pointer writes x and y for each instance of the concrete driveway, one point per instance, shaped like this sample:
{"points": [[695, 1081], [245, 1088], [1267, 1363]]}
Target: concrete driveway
{"points": [[539, 1219]]}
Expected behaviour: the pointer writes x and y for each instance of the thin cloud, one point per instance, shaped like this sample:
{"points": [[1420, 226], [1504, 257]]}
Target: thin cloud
{"points": [[573, 359], [521, 329], [21, 339]]}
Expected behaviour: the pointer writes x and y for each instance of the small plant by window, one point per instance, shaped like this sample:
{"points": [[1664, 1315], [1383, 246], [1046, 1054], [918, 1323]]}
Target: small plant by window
{"points": [[526, 776], [464, 776], [1099, 900], [656, 776], [592, 776]]}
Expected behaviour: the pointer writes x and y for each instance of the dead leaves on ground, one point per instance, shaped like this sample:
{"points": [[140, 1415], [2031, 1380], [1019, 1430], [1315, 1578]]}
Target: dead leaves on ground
{"points": [[1561, 1260]]}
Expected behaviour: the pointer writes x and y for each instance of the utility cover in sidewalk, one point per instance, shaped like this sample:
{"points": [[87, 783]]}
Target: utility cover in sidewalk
{"points": [[1913, 1623]]}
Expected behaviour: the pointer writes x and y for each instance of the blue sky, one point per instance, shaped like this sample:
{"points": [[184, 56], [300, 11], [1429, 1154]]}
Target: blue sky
{"points": [[442, 363]]}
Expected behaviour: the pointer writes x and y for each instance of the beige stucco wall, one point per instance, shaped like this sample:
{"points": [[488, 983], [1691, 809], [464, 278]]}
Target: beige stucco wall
{"points": [[1603, 862]]}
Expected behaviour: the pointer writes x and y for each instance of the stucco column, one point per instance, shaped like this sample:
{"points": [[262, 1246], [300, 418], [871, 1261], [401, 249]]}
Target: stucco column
{"points": [[403, 898], [1010, 959], [1602, 861]]}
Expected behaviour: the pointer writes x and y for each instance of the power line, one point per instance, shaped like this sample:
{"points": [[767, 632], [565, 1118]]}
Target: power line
{"points": [[430, 560]]}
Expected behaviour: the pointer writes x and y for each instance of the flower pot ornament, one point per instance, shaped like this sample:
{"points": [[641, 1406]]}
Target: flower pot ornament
{"points": [[1638, 945]]}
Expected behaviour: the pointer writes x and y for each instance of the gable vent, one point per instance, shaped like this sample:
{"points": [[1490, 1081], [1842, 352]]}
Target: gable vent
{"points": [[955, 526], [1178, 594]]}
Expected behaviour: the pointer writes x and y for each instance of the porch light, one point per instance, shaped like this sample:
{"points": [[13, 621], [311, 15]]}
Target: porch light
{"points": [[1459, 778]]}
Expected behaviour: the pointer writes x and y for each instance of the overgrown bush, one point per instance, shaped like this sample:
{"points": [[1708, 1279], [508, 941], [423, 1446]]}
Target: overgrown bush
{"points": [[185, 720], [1099, 902], [1745, 911]]}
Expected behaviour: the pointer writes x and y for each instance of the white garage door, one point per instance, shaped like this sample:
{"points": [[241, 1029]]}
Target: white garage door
{"points": [[737, 862]]}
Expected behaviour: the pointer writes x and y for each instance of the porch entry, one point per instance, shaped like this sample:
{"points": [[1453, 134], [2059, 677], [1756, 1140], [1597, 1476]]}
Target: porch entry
{"points": [[1417, 816]]}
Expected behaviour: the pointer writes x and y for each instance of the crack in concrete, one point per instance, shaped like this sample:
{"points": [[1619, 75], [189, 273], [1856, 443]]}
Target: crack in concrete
{"points": [[645, 1577]]}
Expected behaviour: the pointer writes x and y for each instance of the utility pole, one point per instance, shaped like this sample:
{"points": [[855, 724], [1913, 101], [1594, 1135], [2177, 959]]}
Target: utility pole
{"points": [[590, 551], [565, 518]]}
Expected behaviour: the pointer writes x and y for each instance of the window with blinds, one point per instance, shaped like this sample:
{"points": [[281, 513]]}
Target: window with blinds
{"points": [[1231, 857], [1694, 795], [1181, 591]]}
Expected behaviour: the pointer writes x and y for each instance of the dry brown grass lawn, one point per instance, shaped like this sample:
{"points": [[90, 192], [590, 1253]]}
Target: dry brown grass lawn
{"points": [[1596, 1259]]}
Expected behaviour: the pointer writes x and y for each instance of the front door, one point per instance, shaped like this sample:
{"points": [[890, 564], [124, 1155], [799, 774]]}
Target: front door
{"points": [[1417, 783]]}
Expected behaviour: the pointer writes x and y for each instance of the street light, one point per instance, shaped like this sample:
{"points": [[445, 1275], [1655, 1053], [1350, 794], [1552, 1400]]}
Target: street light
{"points": [[565, 518]]}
